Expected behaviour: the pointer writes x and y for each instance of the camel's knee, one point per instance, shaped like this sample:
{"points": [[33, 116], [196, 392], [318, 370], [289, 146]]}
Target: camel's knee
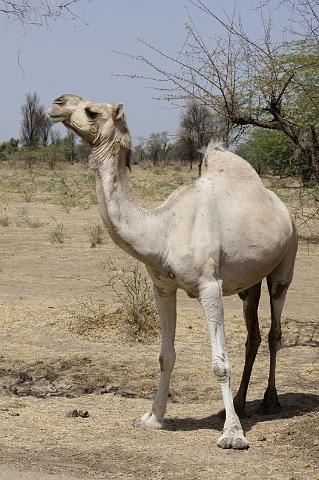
{"points": [[221, 369], [167, 361], [278, 289], [253, 341]]}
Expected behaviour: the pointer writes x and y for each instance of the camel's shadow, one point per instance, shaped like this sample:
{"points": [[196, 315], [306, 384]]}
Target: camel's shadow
{"points": [[293, 404]]}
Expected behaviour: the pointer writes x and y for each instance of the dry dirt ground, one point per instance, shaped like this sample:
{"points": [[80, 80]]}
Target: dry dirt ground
{"points": [[48, 369]]}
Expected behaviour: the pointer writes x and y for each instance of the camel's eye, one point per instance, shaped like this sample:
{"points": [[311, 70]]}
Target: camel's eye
{"points": [[91, 113]]}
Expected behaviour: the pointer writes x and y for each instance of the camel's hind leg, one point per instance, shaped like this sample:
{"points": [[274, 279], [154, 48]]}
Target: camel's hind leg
{"points": [[250, 299], [278, 282]]}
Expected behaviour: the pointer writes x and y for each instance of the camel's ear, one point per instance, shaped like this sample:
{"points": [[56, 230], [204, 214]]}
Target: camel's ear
{"points": [[117, 111]]}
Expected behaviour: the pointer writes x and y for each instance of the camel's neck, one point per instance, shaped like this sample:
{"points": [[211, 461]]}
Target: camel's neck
{"points": [[130, 226]]}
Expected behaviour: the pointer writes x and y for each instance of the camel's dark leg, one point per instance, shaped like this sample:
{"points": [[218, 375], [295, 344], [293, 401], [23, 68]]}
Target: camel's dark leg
{"points": [[278, 282], [250, 299], [277, 293]]}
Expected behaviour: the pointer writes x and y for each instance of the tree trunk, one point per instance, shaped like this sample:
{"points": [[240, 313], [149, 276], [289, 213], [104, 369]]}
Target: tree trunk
{"points": [[315, 164]]}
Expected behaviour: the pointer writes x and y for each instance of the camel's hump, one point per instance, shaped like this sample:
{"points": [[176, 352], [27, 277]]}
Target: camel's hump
{"points": [[218, 160]]}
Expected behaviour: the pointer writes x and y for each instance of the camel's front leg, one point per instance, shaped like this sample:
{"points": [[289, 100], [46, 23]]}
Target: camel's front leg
{"points": [[210, 297], [166, 304]]}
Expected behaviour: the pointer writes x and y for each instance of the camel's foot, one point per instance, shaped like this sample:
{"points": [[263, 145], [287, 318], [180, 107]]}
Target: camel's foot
{"points": [[149, 420], [233, 438], [270, 403]]}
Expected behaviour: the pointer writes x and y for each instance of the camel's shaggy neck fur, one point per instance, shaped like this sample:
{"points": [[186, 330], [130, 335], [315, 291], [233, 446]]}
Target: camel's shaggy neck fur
{"points": [[120, 213]]}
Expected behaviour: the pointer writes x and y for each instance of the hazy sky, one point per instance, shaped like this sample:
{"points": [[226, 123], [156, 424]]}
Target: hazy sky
{"points": [[76, 57]]}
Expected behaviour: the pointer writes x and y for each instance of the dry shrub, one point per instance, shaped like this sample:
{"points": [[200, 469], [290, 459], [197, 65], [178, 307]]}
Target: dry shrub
{"points": [[4, 220], [28, 195], [35, 223], [134, 314], [136, 305], [57, 234], [24, 219], [96, 234]]}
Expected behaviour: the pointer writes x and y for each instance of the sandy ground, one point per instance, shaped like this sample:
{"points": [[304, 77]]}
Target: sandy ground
{"points": [[48, 370]]}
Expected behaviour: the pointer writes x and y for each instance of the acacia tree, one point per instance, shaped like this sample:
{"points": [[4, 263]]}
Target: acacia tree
{"points": [[264, 84], [37, 12]]}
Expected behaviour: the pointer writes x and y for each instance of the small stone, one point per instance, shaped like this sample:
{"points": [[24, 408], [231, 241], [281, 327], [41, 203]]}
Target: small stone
{"points": [[262, 439], [77, 413], [315, 442], [190, 327], [24, 377], [84, 414], [72, 413]]}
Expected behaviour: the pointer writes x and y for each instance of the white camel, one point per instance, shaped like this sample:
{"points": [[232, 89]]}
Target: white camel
{"points": [[219, 236]]}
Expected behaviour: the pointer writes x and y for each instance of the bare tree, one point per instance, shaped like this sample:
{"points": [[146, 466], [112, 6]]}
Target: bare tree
{"points": [[304, 16], [157, 147], [197, 126], [31, 120], [139, 151], [37, 12], [264, 84]]}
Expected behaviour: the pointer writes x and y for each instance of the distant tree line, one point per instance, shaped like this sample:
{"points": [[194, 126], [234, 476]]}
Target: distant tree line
{"points": [[268, 151], [39, 141], [198, 124]]}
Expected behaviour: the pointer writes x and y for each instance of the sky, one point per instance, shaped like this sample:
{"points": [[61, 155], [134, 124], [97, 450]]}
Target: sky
{"points": [[79, 56]]}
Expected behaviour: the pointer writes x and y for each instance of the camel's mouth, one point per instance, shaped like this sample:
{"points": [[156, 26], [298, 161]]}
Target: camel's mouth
{"points": [[57, 114], [56, 118]]}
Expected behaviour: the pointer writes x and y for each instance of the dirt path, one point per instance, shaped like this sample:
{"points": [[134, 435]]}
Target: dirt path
{"points": [[7, 473]]}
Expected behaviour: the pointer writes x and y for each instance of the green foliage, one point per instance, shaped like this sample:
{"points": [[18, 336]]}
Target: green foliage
{"points": [[7, 148], [302, 98], [269, 151]]}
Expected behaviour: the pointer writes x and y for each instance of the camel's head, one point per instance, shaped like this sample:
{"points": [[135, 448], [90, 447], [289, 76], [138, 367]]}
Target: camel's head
{"points": [[94, 122]]}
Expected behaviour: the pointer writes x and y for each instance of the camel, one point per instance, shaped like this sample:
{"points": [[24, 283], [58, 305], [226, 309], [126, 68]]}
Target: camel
{"points": [[219, 236]]}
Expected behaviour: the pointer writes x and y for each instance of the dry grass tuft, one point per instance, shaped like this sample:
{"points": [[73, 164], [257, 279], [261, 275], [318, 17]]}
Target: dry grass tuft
{"points": [[57, 234], [96, 235], [4, 220], [28, 195], [24, 219], [88, 316]]}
